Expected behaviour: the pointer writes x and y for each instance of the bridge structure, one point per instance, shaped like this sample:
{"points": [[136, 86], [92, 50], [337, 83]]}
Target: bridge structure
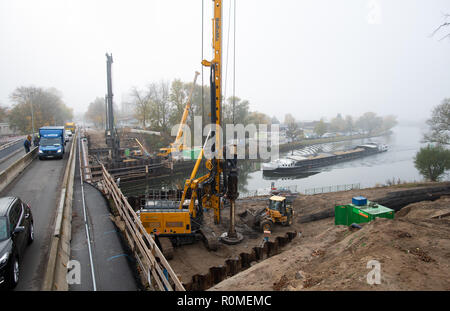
{"points": [[80, 225]]}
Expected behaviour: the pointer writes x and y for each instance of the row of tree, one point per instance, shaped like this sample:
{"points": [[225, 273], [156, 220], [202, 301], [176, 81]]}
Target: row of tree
{"points": [[369, 122], [160, 106], [34, 107]]}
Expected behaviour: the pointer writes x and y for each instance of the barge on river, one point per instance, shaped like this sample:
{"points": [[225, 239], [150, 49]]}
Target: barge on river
{"points": [[295, 164]]}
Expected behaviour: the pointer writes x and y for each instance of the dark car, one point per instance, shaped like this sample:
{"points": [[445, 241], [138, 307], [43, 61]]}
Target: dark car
{"points": [[16, 232]]}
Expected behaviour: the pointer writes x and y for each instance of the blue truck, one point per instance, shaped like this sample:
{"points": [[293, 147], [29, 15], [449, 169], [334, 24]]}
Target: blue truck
{"points": [[52, 142]]}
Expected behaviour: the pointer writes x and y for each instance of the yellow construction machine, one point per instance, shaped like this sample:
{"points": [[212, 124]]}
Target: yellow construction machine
{"points": [[279, 210], [177, 145], [173, 225]]}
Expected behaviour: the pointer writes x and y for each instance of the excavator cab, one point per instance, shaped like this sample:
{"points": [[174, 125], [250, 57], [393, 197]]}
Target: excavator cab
{"points": [[277, 204]]}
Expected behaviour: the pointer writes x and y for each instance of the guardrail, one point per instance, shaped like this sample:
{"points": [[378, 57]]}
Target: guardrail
{"points": [[56, 270], [8, 175], [11, 143], [150, 259], [295, 189], [329, 189]]}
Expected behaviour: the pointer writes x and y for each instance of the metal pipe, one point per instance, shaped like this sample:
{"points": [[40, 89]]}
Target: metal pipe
{"points": [[232, 229]]}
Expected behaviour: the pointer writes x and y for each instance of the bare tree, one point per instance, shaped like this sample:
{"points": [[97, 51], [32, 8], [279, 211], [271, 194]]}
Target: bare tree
{"points": [[141, 104], [96, 112], [160, 105], [439, 124], [443, 25]]}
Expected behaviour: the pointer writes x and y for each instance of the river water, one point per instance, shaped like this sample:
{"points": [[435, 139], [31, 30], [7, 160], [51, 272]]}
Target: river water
{"points": [[397, 163]]}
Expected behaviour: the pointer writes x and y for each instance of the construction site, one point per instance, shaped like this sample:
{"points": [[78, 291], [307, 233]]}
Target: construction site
{"points": [[210, 239], [312, 252], [224, 154]]}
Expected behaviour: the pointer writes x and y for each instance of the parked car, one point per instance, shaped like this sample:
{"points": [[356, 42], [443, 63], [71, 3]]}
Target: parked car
{"points": [[16, 232]]}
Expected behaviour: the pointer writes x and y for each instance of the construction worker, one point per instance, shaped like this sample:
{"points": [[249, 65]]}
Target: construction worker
{"points": [[36, 140], [27, 144], [265, 238]]}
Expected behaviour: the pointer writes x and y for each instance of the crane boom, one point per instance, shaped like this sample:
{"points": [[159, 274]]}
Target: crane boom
{"points": [[176, 145]]}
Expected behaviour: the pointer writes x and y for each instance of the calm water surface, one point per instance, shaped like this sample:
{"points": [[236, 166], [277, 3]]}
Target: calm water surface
{"points": [[397, 163]]}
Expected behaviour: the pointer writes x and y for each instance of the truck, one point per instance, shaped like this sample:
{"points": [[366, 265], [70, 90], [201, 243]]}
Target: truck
{"points": [[70, 126], [52, 142]]}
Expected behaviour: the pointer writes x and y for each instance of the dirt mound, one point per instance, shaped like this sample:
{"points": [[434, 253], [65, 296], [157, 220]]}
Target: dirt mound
{"points": [[413, 251], [426, 209]]}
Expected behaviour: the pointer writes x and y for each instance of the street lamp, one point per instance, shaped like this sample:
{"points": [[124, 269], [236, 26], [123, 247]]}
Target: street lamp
{"points": [[32, 116], [30, 96]]}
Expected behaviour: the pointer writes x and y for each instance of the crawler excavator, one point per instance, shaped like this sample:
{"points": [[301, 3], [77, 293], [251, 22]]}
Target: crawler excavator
{"points": [[177, 226]]}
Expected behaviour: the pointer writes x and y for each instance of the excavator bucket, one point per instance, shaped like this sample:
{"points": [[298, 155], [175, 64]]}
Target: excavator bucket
{"points": [[250, 217]]}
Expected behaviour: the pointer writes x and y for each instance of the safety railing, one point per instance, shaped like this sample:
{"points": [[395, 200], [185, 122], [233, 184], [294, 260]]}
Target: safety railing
{"points": [[295, 189], [329, 189], [150, 259]]}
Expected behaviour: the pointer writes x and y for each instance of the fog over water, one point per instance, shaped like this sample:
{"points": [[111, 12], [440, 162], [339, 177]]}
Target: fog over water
{"points": [[397, 163], [310, 58]]}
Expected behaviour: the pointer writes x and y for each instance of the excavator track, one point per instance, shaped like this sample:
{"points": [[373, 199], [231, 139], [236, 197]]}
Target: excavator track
{"points": [[166, 247]]}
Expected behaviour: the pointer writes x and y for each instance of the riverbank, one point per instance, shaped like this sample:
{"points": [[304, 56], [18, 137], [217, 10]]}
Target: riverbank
{"points": [[318, 234], [413, 249], [309, 142]]}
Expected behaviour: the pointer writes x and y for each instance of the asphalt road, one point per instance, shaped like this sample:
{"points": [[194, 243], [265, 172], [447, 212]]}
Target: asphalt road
{"points": [[113, 267], [39, 185], [6, 151], [11, 154], [17, 154]]}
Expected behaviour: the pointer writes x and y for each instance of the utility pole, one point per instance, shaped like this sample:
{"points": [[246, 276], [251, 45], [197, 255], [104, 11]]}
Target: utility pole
{"points": [[30, 101], [112, 139], [109, 96], [106, 113], [32, 115]]}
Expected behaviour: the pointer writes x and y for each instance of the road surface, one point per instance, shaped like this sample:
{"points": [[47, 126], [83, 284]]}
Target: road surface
{"points": [[39, 185], [11, 154], [113, 266]]}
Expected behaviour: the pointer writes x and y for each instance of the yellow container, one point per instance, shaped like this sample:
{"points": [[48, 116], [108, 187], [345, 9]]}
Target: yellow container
{"points": [[166, 221]]}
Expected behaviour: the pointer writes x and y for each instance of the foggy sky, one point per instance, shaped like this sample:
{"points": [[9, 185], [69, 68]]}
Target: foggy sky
{"points": [[311, 58]]}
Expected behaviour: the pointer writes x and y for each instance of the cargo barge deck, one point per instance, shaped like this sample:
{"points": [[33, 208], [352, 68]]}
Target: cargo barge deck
{"points": [[293, 165]]}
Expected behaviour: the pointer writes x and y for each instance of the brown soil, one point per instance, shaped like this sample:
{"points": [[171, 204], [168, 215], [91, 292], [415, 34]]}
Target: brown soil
{"points": [[318, 243], [96, 138], [413, 250]]}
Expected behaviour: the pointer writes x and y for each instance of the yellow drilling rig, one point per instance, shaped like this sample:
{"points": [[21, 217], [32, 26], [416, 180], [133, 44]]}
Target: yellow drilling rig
{"points": [[173, 225]]}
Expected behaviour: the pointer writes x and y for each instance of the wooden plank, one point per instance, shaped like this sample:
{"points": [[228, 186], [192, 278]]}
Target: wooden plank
{"points": [[120, 201]]}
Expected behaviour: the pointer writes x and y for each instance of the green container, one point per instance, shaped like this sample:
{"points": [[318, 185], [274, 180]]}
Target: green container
{"points": [[349, 214], [191, 153], [340, 215]]}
